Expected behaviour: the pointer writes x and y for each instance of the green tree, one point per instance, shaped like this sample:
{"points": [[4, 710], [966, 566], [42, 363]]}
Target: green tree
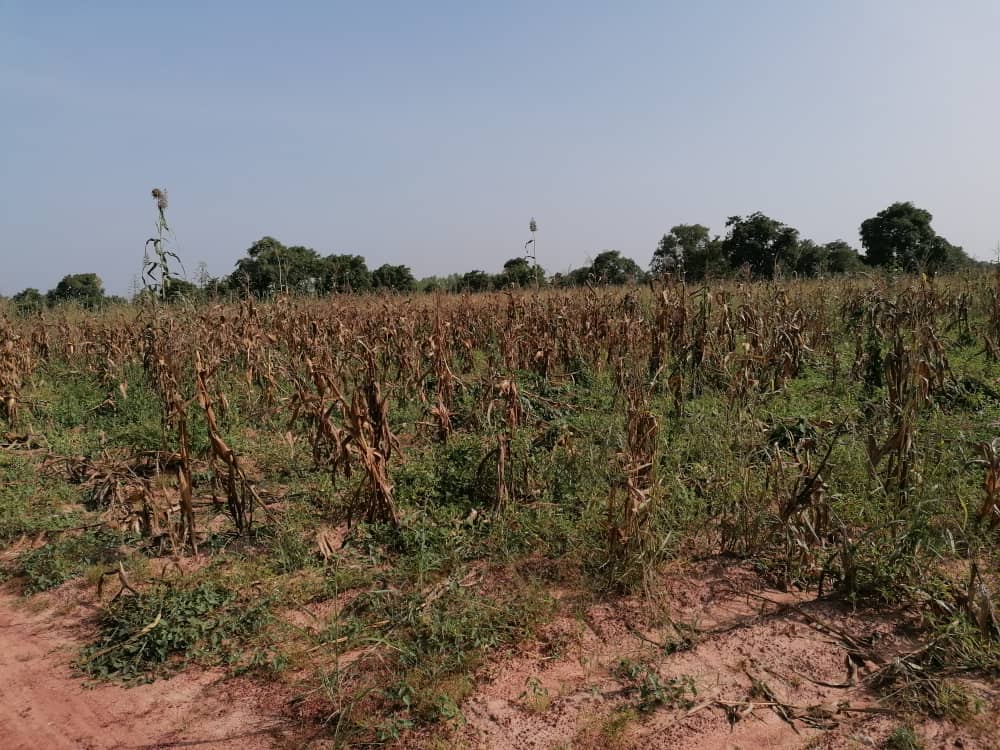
{"points": [[475, 281], [520, 272], [689, 249], [807, 258], [611, 267], [177, 289], [28, 301], [395, 278], [269, 268], [669, 254], [842, 258], [760, 242], [450, 283], [576, 277], [345, 273], [901, 236], [85, 289], [955, 258]]}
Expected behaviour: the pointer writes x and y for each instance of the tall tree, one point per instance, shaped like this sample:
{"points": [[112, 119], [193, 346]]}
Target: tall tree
{"points": [[85, 289], [269, 268], [808, 258], [760, 242], [842, 258], [520, 272], [690, 250], [345, 273], [181, 289], [475, 281], [28, 301], [954, 258], [669, 254], [901, 236], [611, 267], [395, 278]]}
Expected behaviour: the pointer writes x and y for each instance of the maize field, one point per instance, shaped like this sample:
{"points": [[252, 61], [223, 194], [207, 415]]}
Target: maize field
{"points": [[375, 503]]}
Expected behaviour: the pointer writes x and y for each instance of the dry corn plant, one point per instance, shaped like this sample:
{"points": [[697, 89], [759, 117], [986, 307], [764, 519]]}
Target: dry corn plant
{"points": [[370, 443], [804, 518], [15, 361], [990, 509], [241, 496], [668, 332], [362, 438], [444, 379], [504, 391], [327, 439], [907, 388], [991, 332], [256, 350], [163, 364], [630, 500]]}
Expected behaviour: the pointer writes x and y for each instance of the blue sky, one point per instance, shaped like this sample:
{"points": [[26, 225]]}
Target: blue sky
{"points": [[429, 133]]}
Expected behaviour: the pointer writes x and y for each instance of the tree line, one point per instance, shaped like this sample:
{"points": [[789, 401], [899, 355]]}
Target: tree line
{"points": [[755, 246]]}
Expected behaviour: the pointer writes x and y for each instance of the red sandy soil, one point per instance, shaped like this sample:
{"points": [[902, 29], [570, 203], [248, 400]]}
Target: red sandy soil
{"points": [[45, 706], [558, 692], [573, 668]]}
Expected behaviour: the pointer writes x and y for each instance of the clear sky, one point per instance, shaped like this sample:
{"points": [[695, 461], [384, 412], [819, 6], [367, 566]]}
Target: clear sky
{"points": [[428, 133]]}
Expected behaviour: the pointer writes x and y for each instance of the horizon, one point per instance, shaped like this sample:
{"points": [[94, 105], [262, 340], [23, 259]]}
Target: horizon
{"points": [[430, 136]]}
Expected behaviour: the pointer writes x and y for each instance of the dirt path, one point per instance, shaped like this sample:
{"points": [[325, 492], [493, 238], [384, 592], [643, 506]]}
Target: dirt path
{"points": [[43, 705]]}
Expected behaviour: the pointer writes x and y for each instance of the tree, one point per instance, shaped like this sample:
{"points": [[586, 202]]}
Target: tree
{"points": [[85, 289], [688, 250], [176, 289], [345, 273], [475, 281], [901, 236], [576, 277], [269, 268], [28, 301], [955, 258], [760, 242], [450, 283], [842, 258], [520, 272], [669, 255], [395, 278], [808, 258], [611, 267]]}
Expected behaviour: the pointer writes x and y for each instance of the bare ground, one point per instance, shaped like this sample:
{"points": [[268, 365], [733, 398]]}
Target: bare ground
{"points": [[44, 705], [758, 659], [748, 655]]}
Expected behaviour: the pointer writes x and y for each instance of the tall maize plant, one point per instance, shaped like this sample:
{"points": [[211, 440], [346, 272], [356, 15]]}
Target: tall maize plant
{"points": [[157, 275]]}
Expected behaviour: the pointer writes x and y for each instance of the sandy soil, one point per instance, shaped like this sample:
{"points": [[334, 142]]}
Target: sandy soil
{"points": [[45, 706], [564, 692]]}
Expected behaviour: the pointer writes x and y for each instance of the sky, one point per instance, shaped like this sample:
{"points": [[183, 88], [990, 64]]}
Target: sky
{"points": [[430, 133]]}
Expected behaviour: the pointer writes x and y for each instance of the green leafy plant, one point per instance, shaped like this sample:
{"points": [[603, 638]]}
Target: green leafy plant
{"points": [[144, 635], [654, 691], [67, 557]]}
